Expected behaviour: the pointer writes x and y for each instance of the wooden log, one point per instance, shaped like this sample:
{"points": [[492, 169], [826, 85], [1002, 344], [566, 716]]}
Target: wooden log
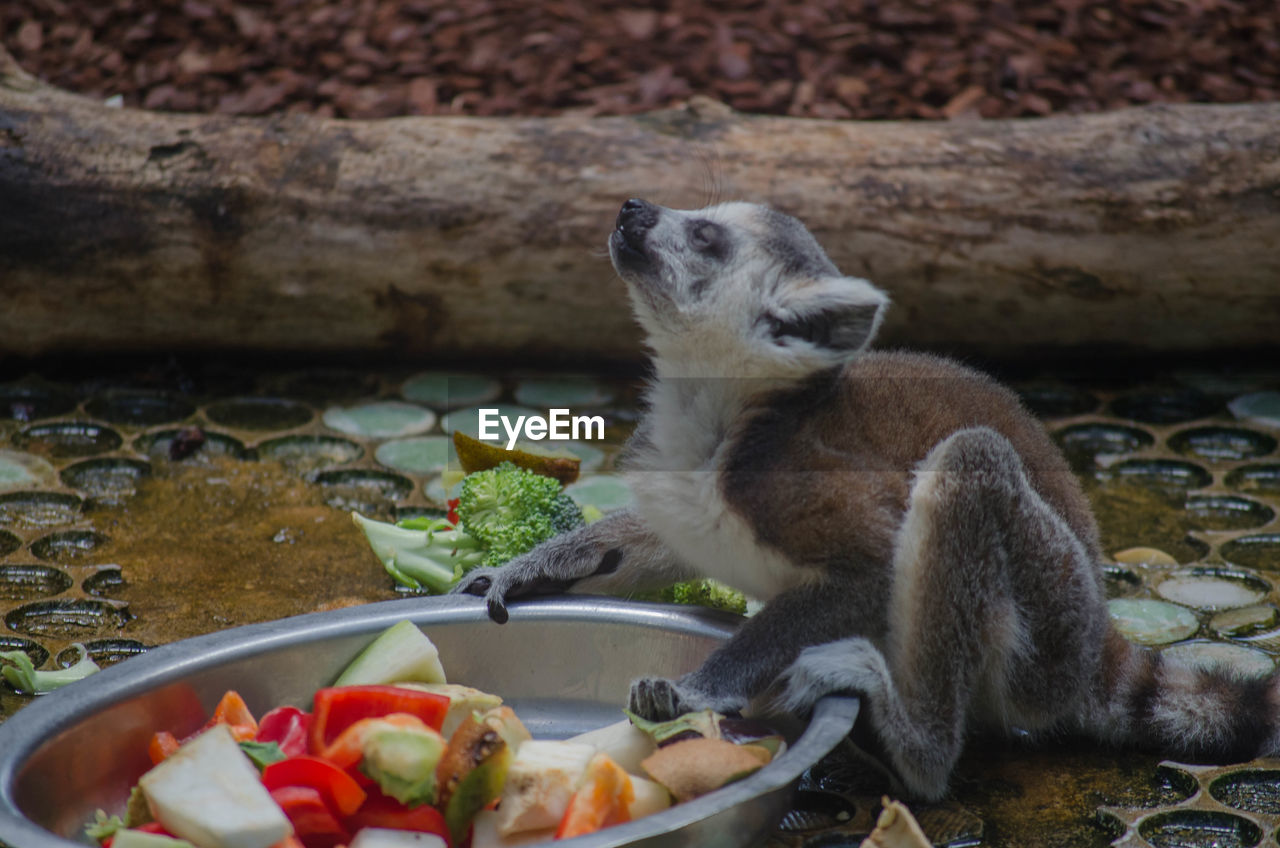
{"points": [[1154, 228]]}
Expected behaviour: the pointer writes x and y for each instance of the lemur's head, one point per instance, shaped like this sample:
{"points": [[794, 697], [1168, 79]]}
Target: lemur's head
{"points": [[739, 290]]}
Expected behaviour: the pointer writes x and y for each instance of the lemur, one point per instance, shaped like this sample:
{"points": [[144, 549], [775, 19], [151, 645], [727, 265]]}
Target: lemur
{"points": [[915, 534]]}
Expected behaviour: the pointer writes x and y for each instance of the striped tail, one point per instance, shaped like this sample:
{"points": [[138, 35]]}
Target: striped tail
{"points": [[1211, 715]]}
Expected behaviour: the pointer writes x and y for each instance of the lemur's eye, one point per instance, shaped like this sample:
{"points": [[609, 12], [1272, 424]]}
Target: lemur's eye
{"points": [[707, 237]]}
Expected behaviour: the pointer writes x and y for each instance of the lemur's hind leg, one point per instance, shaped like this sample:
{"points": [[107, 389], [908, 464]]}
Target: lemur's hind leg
{"points": [[990, 589]]}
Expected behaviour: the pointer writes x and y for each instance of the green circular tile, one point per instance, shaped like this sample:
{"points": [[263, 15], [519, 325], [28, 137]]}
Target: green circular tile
{"points": [[1259, 407], [1244, 621], [23, 470], [437, 492], [1205, 654], [1212, 591], [422, 455], [606, 492], [468, 420], [1151, 622], [441, 390], [380, 420], [569, 391]]}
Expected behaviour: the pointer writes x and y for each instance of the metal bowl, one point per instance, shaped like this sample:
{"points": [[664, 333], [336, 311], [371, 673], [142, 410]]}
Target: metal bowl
{"points": [[565, 665]]}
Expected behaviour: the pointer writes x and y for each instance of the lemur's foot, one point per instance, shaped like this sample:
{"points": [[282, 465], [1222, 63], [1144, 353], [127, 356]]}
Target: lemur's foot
{"points": [[660, 699], [853, 665], [517, 578]]}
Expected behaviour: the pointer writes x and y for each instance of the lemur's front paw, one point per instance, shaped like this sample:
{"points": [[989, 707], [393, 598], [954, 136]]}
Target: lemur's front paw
{"points": [[521, 576], [660, 699], [853, 665]]}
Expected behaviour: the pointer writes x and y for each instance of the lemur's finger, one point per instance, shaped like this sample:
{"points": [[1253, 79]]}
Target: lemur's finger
{"points": [[497, 610]]}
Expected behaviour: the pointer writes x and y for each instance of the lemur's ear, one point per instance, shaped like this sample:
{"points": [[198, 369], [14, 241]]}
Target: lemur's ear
{"points": [[838, 313]]}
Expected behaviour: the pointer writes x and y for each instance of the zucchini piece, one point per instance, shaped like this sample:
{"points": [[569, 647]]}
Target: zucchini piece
{"points": [[401, 653]]}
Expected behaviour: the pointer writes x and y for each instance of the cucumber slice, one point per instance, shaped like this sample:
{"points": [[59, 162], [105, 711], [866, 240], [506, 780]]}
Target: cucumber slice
{"points": [[401, 653]]}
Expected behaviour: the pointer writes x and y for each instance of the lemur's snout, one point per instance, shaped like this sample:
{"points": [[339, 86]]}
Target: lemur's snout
{"points": [[635, 219]]}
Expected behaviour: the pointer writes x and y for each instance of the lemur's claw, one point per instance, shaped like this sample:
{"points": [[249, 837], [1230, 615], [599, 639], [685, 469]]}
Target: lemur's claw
{"points": [[479, 586]]}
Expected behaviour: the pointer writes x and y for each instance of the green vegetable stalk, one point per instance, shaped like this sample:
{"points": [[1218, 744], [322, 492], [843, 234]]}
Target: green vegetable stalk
{"points": [[431, 557], [21, 674], [503, 512]]}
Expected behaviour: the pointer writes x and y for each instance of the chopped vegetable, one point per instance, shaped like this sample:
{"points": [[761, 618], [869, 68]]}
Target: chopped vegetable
{"points": [[401, 653], [231, 712], [511, 510], [704, 593], [142, 839], [403, 760], [348, 749], [382, 812], [338, 707], [707, 724], [287, 727], [262, 754], [463, 701], [622, 741], [471, 773], [234, 712], [475, 455], [163, 745], [541, 780], [17, 669], [433, 557], [312, 820], [339, 791], [651, 797], [150, 827], [603, 800], [377, 837], [209, 793], [694, 767], [103, 825], [484, 833]]}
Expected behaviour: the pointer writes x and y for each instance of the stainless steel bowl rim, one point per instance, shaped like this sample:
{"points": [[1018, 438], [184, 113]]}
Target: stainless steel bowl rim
{"points": [[22, 734]]}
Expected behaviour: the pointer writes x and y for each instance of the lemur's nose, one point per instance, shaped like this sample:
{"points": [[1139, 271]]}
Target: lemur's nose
{"points": [[636, 216]]}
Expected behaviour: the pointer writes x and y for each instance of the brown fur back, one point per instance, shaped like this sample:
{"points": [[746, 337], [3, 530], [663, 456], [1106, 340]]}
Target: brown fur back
{"points": [[843, 447]]}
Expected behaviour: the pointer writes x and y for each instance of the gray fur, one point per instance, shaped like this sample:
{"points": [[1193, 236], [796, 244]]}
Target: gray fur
{"points": [[918, 538]]}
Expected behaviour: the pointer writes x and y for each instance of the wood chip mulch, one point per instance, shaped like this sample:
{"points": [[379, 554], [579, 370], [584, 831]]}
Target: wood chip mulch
{"points": [[821, 58]]}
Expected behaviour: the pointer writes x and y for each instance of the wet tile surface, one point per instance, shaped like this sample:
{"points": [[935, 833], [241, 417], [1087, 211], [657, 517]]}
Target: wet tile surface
{"points": [[132, 514]]}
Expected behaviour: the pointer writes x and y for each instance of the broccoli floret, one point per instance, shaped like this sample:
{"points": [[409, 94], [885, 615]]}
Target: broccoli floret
{"points": [[428, 554], [511, 510], [566, 515], [705, 593]]}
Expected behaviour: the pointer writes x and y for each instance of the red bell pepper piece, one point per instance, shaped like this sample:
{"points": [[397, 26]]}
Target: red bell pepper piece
{"points": [[313, 822], [335, 786], [381, 811], [452, 515], [149, 827], [338, 707], [287, 727]]}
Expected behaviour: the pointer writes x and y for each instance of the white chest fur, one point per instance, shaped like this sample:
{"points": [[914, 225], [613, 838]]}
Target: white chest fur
{"points": [[676, 482]]}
